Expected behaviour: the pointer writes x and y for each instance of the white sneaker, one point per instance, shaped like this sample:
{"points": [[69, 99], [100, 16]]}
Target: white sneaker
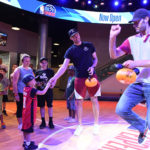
{"points": [[71, 120], [67, 118], [96, 129], [20, 126], [78, 130]]}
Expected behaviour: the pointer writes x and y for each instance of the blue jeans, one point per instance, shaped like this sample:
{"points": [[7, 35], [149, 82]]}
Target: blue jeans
{"points": [[134, 94], [71, 104]]}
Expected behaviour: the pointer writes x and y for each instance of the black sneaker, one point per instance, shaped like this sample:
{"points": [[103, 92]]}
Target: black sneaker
{"points": [[31, 146], [51, 125], [24, 143], [4, 112], [142, 136], [42, 125]]}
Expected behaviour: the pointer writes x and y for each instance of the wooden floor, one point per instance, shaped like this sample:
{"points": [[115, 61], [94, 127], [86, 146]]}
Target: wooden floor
{"points": [[115, 133]]}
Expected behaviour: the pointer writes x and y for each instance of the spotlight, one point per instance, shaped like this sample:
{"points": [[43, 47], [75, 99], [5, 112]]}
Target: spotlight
{"points": [[95, 6], [145, 2], [130, 4], [89, 2], [116, 3], [102, 3], [76, 0]]}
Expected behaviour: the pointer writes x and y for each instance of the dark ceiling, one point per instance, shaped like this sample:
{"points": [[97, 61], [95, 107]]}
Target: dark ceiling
{"points": [[57, 29]]}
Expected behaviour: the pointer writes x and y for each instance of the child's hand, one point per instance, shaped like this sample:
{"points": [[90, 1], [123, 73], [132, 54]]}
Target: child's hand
{"points": [[71, 96]]}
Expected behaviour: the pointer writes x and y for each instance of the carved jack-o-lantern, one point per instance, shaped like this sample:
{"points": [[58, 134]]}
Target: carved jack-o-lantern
{"points": [[91, 82], [126, 76]]}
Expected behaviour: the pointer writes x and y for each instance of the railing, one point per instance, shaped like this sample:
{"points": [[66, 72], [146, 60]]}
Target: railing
{"points": [[108, 69]]}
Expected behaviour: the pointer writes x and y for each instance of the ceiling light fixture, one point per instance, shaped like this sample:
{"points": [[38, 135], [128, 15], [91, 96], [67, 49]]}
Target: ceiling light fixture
{"points": [[15, 28], [95, 6], [56, 44], [102, 3], [145, 2], [130, 4], [116, 3], [89, 2], [55, 56]]}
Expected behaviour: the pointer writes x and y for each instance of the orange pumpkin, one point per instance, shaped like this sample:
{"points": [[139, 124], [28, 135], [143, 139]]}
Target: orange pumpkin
{"points": [[91, 82], [126, 76]]}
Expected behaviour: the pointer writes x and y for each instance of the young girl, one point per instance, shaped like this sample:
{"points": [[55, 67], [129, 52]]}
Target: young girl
{"points": [[29, 109]]}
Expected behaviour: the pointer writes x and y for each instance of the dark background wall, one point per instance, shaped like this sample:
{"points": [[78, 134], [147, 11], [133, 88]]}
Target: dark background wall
{"points": [[98, 34], [26, 41]]}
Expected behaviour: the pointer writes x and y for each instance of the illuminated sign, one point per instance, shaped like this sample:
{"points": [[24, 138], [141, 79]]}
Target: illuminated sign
{"points": [[49, 10]]}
